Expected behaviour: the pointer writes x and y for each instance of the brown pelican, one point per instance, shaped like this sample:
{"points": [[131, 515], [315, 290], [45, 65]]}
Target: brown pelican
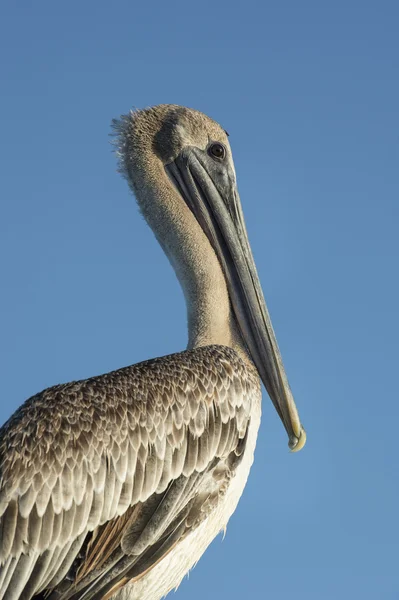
{"points": [[115, 485]]}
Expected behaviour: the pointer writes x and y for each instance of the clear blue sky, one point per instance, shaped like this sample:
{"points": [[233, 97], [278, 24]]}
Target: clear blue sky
{"points": [[309, 92]]}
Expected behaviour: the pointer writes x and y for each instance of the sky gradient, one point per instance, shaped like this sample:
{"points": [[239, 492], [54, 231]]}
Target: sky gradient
{"points": [[309, 93]]}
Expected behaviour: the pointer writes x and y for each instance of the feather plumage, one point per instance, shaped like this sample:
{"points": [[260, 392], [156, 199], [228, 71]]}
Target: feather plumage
{"points": [[164, 428]]}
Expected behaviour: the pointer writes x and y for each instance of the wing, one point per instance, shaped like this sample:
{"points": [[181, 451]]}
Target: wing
{"points": [[100, 478]]}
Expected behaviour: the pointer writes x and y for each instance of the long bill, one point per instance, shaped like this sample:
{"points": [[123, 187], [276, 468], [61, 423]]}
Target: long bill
{"points": [[212, 196]]}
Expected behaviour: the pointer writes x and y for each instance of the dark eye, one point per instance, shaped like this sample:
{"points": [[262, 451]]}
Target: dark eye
{"points": [[217, 151]]}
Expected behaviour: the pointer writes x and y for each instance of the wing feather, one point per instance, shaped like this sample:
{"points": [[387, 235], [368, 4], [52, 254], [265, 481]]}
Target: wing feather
{"points": [[41, 570], [8, 527], [78, 456], [47, 528], [9, 569], [21, 575]]}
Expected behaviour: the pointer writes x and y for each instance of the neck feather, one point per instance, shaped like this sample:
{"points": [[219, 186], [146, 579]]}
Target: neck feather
{"points": [[210, 320]]}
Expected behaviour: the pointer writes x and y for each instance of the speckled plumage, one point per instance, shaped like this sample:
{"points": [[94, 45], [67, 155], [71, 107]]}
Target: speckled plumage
{"points": [[81, 454]]}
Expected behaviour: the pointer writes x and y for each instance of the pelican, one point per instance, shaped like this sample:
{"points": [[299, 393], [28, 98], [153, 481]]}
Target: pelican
{"points": [[114, 486]]}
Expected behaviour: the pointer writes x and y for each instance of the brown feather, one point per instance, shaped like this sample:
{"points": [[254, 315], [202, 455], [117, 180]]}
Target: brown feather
{"points": [[115, 467]]}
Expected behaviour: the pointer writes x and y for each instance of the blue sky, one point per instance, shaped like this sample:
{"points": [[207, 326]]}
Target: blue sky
{"points": [[309, 92]]}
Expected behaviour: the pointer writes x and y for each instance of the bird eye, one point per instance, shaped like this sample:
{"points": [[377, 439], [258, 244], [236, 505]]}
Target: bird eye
{"points": [[217, 151]]}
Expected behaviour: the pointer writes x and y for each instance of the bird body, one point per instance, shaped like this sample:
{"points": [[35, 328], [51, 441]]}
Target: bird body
{"points": [[86, 461], [168, 574], [115, 485]]}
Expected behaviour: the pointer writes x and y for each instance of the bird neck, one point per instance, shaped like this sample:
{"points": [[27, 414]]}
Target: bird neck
{"points": [[209, 314]]}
